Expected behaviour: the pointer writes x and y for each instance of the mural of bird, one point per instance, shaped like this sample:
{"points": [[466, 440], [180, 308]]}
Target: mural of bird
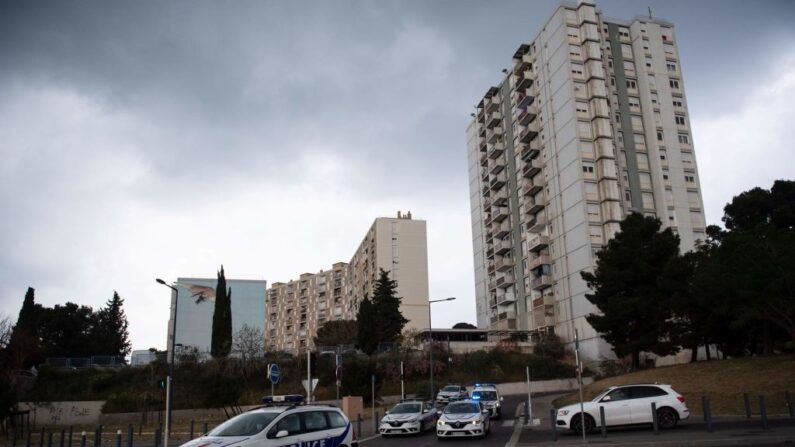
{"points": [[201, 293]]}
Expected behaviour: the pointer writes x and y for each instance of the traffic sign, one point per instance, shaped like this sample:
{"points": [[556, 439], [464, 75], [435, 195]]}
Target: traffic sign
{"points": [[309, 391], [274, 374]]}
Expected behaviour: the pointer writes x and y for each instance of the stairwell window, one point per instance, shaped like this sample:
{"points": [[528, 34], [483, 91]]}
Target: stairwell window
{"points": [[674, 83]]}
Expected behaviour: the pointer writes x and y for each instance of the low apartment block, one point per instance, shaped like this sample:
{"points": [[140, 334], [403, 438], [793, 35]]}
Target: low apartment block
{"points": [[588, 123], [297, 308]]}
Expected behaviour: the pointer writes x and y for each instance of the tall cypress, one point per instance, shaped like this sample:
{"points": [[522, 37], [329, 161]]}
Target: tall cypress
{"points": [[23, 346], [367, 336], [221, 343]]}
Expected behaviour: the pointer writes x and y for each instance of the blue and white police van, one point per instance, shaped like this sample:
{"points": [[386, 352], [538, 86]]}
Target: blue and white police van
{"points": [[282, 422]]}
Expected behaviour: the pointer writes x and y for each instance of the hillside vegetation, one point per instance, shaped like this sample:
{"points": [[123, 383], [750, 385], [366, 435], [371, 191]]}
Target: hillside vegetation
{"points": [[723, 381]]}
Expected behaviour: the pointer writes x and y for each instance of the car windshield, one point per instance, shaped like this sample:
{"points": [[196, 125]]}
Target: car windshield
{"points": [[484, 395], [406, 409], [246, 424], [462, 408], [451, 388], [602, 393]]}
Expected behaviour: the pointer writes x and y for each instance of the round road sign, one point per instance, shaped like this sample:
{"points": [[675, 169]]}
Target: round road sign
{"points": [[274, 374]]}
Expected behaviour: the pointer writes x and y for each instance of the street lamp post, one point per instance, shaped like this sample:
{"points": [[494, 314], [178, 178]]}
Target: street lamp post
{"points": [[170, 380], [430, 340]]}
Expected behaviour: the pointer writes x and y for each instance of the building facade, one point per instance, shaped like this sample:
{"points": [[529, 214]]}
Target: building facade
{"points": [[194, 322], [590, 123], [297, 308]]}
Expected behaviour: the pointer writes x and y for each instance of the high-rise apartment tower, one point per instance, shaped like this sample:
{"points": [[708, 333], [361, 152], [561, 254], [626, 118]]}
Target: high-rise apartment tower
{"points": [[589, 123]]}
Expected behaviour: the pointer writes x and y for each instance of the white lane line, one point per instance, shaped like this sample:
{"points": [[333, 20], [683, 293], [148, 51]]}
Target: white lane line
{"points": [[517, 428]]}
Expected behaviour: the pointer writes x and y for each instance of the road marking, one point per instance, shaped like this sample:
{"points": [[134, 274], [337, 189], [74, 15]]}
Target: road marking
{"points": [[370, 438], [517, 428], [508, 423]]}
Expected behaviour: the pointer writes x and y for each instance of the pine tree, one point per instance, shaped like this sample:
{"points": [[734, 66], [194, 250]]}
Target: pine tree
{"points": [[386, 306], [636, 312], [221, 343], [367, 336], [113, 335]]}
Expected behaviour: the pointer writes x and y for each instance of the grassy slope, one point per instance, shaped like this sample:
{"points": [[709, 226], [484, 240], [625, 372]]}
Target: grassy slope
{"points": [[723, 381]]}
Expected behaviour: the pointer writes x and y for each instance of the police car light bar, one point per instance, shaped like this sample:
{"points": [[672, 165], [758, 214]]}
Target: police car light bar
{"points": [[285, 399]]}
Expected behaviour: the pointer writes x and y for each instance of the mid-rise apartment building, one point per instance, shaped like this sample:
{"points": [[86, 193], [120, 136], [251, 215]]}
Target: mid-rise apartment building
{"points": [[297, 308], [588, 124]]}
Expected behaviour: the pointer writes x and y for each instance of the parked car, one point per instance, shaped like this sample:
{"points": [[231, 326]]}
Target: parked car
{"points": [[625, 405], [451, 392], [408, 417], [488, 395], [463, 418], [282, 421]]}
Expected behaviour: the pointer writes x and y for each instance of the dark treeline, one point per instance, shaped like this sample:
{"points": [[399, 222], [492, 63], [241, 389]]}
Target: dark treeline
{"points": [[735, 290]]}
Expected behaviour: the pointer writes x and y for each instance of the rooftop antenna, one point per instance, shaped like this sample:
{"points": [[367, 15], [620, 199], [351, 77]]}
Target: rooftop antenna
{"points": [[651, 16]]}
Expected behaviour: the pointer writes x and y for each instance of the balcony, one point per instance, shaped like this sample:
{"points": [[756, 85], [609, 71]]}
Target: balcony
{"points": [[495, 136], [542, 282], [484, 174], [501, 230], [487, 219], [533, 205], [500, 213], [496, 150], [493, 119], [537, 223], [497, 165], [537, 243], [529, 189], [504, 297], [501, 247], [522, 65], [505, 281], [498, 181], [531, 168], [528, 133], [485, 191], [503, 264], [529, 151], [524, 79], [538, 261], [543, 317], [527, 115], [492, 104], [500, 197]]}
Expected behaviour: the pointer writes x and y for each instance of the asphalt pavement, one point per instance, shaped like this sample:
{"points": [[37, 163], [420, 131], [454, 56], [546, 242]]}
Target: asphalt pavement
{"points": [[501, 432]]}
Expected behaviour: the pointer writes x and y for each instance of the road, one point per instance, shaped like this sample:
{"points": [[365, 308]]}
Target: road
{"points": [[501, 432]]}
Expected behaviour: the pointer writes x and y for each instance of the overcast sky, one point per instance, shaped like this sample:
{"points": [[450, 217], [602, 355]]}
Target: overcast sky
{"points": [[162, 139]]}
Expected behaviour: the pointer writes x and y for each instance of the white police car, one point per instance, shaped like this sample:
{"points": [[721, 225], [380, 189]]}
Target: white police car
{"points": [[408, 417], [463, 418], [489, 396], [282, 422]]}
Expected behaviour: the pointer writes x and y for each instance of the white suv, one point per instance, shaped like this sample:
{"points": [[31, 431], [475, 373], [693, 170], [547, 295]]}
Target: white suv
{"points": [[278, 425], [625, 405]]}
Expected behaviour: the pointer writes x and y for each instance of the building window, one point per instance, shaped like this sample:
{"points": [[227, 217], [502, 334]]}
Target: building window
{"points": [[677, 103], [648, 62], [671, 66], [659, 135], [582, 107], [684, 139], [665, 174], [574, 50], [680, 120], [690, 179], [662, 155], [632, 84], [654, 98], [674, 83], [587, 168]]}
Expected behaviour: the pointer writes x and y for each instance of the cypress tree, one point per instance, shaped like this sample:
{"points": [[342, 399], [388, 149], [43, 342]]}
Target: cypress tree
{"points": [[221, 343], [23, 347], [367, 336]]}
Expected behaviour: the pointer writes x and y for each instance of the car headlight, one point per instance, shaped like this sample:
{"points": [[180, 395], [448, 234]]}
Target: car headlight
{"points": [[439, 423], [563, 412]]}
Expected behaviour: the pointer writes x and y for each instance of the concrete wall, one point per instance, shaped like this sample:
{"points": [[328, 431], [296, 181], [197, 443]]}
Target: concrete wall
{"points": [[64, 413], [542, 386]]}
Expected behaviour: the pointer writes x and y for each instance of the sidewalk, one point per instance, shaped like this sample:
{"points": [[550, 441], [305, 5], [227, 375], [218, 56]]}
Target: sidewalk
{"points": [[727, 430], [688, 433]]}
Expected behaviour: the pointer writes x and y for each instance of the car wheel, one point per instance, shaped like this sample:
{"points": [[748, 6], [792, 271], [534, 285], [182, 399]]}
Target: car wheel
{"points": [[576, 423], [667, 418]]}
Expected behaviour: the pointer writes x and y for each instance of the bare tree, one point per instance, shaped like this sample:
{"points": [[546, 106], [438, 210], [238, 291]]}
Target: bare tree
{"points": [[249, 343], [6, 327]]}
